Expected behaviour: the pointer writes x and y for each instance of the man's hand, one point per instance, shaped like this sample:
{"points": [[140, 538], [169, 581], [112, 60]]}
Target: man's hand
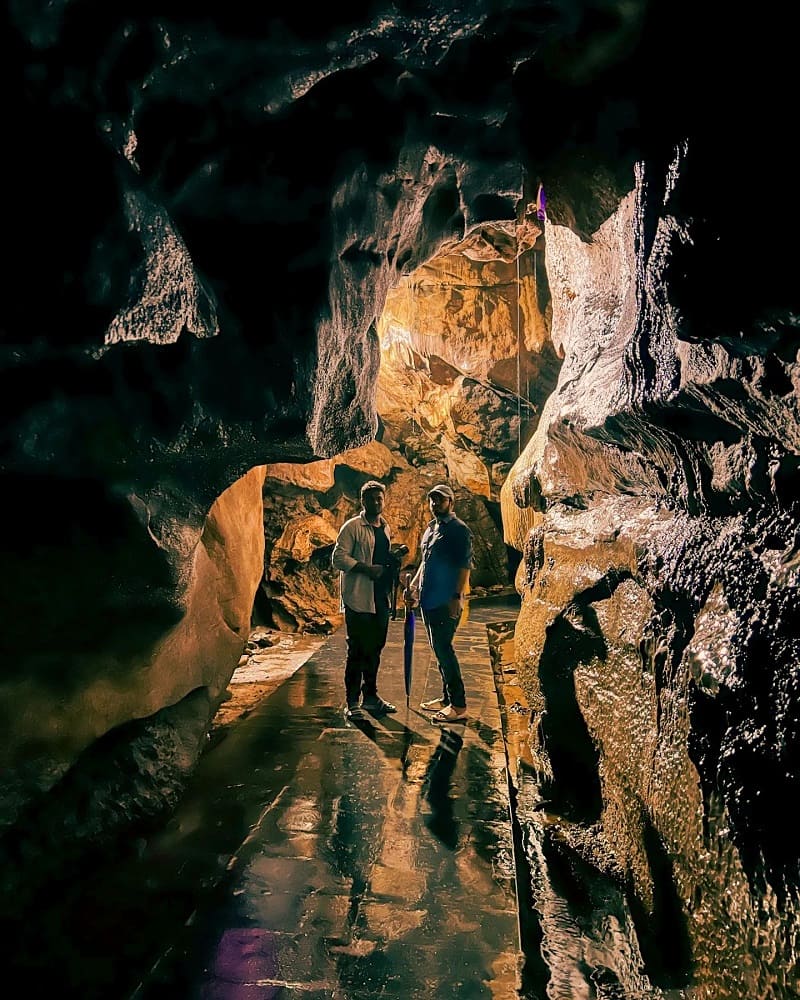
{"points": [[373, 571], [410, 592]]}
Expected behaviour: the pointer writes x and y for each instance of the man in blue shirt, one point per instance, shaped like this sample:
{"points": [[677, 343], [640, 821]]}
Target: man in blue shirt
{"points": [[439, 586]]}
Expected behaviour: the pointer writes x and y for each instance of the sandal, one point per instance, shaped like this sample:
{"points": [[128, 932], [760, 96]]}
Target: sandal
{"points": [[450, 714], [435, 705]]}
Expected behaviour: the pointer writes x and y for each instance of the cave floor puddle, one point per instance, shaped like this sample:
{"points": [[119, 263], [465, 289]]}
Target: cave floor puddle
{"points": [[317, 857], [348, 859]]}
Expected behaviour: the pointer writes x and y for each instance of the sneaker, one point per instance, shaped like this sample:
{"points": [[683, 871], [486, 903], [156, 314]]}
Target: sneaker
{"points": [[436, 705], [353, 712], [377, 706]]}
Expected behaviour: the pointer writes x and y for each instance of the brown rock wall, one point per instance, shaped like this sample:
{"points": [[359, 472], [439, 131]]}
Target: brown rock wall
{"points": [[648, 633], [49, 730], [466, 359]]}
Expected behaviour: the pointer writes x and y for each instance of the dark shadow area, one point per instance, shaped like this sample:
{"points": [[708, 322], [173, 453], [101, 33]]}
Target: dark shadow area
{"points": [[535, 973], [73, 544], [663, 935], [574, 637], [441, 820], [391, 737], [262, 609], [575, 791], [514, 558]]}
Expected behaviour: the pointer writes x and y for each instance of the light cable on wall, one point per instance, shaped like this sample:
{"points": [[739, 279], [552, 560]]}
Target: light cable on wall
{"points": [[416, 429], [519, 380]]}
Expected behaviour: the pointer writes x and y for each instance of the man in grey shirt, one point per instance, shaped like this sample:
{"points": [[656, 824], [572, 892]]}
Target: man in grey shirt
{"points": [[362, 556]]}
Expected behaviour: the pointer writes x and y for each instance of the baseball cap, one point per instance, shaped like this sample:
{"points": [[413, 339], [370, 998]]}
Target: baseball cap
{"points": [[444, 490], [372, 484]]}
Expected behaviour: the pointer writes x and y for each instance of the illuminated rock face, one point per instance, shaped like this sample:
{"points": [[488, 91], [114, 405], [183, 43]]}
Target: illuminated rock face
{"points": [[466, 361], [156, 359], [657, 641]]}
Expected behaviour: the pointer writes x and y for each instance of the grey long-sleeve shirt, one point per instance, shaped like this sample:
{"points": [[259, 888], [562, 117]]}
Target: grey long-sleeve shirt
{"points": [[356, 543]]}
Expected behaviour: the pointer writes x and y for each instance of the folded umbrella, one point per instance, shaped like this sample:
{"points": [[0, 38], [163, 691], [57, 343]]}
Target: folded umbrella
{"points": [[408, 649], [409, 627]]}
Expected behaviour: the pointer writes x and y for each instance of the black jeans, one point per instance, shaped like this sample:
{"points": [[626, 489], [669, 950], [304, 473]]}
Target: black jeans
{"points": [[366, 637], [441, 628]]}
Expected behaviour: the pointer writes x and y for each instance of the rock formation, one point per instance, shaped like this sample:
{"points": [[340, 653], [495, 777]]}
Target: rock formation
{"points": [[657, 639], [213, 209]]}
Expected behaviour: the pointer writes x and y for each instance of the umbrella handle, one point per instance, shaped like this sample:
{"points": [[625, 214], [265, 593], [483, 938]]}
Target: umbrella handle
{"points": [[409, 604]]}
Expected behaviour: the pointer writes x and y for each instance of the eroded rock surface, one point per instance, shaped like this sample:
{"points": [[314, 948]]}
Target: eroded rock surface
{"points": [[657, 641]]}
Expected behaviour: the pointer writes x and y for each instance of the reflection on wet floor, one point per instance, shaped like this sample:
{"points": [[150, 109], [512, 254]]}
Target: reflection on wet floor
{"points": [[347, 858]]}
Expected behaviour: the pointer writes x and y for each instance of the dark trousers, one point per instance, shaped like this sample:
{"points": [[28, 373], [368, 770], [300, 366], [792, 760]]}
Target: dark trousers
{"points": [[366, 637], [441, 628]]}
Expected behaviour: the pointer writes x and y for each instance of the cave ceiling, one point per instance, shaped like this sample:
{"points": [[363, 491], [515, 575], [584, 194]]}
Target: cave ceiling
{"points": [[208, 209], [212, 205]]}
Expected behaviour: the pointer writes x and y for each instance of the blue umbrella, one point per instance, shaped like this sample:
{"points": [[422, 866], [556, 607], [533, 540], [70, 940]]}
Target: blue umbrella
{"points": [[408, 649], [409, 626]]}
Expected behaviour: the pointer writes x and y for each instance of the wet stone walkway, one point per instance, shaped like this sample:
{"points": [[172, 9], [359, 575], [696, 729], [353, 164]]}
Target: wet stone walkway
{"points": [[329, 858]]}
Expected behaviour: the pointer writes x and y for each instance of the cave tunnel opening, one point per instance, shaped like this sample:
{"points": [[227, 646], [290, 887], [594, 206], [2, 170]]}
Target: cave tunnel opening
{"points": [[464, 372]]}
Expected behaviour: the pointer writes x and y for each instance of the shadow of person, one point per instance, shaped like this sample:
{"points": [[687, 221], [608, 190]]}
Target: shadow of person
{"points": [[440, 819], [391, 737]]}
